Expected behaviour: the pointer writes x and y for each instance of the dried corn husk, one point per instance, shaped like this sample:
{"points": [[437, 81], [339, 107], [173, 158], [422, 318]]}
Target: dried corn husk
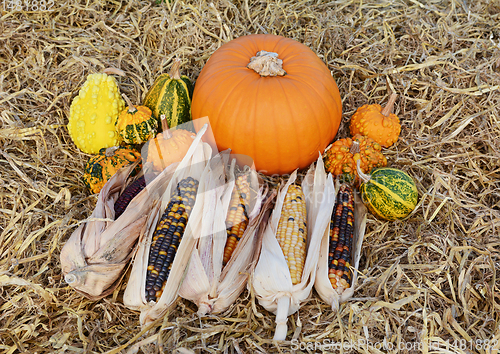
{"points": [[195, 164], [93, 258], [274, 289], [212, 287], [322, 283]]}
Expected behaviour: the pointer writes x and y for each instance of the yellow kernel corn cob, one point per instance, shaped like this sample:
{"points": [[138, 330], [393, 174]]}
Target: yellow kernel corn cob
{"points": [[167, 237], [292, 231], [237, 215], [341, 235]]}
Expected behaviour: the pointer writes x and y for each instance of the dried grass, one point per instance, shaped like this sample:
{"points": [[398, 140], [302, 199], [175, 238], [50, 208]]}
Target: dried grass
{"points": [[429, 279]]}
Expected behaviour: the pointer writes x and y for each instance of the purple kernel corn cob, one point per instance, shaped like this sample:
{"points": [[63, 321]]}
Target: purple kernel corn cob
{"points": [[128, 194]]}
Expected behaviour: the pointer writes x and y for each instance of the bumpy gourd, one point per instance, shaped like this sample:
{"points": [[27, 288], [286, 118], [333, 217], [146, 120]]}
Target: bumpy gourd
{"points": [[135, 124], [168, 147], [340, 159], [101, 167], [379, 124], [93, 114]]}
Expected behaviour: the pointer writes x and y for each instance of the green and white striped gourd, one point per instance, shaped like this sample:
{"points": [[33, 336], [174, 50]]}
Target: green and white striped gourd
{"points": [[171, 95]]}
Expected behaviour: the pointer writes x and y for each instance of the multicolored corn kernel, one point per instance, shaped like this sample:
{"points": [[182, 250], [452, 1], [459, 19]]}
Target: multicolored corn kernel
{"points": [[167, 237], [341, 239], [128, 194], [292, 231], [237, 215]]}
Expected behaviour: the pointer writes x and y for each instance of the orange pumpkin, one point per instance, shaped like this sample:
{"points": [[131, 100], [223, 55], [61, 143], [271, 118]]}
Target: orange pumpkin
{"points": [[168, 147], [270, 98], [379, 124]]}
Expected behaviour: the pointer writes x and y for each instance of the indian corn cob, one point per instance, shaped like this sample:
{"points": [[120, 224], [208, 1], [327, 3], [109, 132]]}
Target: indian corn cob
{"points": [[167, 237], [292, 231], [237, 215], [128, 194], [341, 235]]}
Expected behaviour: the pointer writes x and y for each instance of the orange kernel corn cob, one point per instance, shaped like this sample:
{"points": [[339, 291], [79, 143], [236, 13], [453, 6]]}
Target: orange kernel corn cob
{"points": [[237, 215]]}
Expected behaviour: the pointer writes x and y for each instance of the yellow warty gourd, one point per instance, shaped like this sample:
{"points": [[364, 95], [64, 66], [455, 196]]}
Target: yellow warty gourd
{"points": [[94, 112]]}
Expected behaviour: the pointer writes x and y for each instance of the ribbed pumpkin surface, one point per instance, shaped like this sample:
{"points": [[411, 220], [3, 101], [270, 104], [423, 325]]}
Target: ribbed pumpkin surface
{"points": [[171, 97], [282, 122], [164, 151], [390, 193]]}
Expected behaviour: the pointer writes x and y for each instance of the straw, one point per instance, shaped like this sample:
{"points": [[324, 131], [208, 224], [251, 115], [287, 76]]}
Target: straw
{"points": [[429, 279]]}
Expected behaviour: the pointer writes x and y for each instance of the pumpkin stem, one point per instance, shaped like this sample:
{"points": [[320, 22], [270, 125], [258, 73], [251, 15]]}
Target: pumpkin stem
{"points": [[174, 70], [267, 64], [390, 105], [111, 151], [115, 71], [165, 127], [364, 177], [131, 108]]}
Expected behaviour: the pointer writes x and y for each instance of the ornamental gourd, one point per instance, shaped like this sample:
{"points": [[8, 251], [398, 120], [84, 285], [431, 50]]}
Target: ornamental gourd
{"points": [[168, 147], [270, 98], [171, 95], [101, 167], [340, 159], [135, 124], [94, 111], [388, 193], [379, 124]]}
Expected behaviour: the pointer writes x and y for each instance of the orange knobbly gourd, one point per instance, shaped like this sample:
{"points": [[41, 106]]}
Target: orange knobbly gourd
{"points": [[341, 157], [379, 124]]}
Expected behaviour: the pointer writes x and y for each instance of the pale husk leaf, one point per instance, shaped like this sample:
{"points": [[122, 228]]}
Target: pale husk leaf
{"points": [[93, 258], [103, 215]]}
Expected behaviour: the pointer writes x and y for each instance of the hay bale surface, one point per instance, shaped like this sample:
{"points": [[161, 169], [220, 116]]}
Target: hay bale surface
{"points": [[427, 281]]}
